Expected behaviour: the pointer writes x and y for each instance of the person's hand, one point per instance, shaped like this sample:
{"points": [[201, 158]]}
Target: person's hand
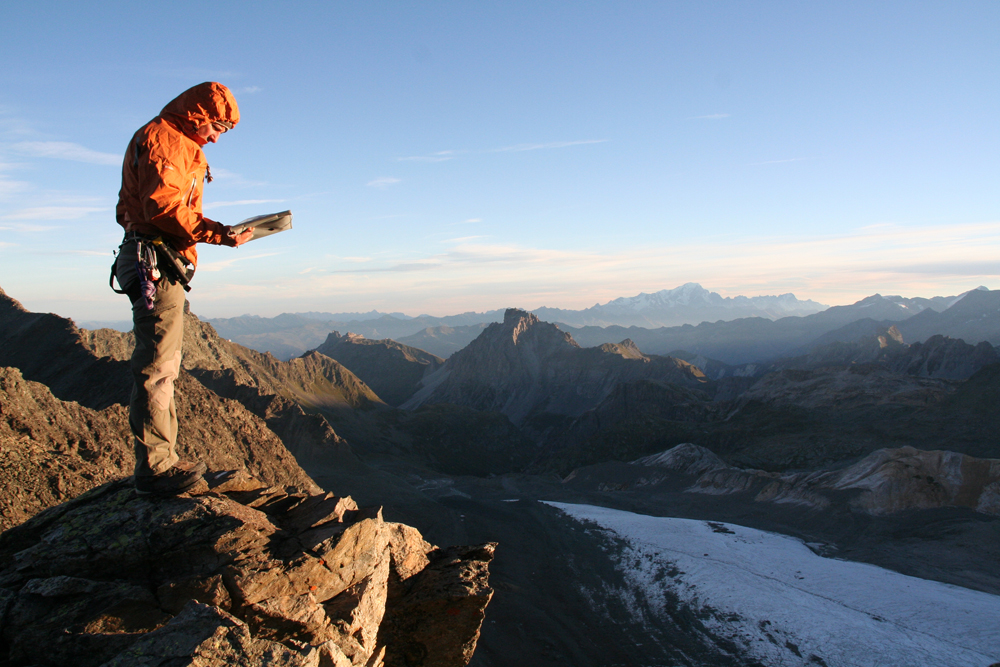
{"points": [[234, 240]]}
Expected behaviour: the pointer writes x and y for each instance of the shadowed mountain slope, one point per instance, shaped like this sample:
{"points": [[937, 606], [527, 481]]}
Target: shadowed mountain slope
{"points": [[523, 367], [51, 350], [444, 340], [973, 318], [54, 449], [392, 369], [91, 369]]}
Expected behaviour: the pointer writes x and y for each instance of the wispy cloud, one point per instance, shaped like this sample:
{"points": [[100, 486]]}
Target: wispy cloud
{"points": [[53, 212], [791, 159], [711, 116], [26, 228], [249, 90], [473, 274], [382, 182], [423, 265], [64, 150], [440, 156], [11, 126], [10, 187], [241, 202], [221, 264], [552, 144]]}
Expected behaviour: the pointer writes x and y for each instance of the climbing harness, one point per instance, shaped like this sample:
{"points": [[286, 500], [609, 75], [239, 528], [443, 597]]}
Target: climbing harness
{"points": [[150, 251]]}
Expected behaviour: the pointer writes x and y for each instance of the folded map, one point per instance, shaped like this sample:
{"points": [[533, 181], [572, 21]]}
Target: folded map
{"points": [[265, 225]]}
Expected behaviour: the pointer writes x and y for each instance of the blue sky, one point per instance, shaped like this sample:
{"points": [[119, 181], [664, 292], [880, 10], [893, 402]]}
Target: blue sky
{"points": [[471, 156]]}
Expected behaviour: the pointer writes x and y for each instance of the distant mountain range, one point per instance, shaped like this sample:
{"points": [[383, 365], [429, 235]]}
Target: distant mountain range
{"points": [[688, 304], [290, 334], [735, 330]]}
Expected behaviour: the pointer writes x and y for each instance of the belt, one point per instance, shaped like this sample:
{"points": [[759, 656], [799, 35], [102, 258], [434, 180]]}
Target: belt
{"points": [[142, 237]]}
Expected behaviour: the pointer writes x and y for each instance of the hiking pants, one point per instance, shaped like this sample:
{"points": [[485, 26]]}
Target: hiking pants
{"points": [[156, 362]]}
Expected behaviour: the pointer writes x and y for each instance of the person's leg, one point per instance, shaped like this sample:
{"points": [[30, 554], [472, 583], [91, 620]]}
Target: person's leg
{"points": [[156, 363]]}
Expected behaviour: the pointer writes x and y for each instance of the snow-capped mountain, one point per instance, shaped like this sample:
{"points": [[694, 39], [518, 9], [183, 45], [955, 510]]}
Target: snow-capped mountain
{"points": [[688, 304]]}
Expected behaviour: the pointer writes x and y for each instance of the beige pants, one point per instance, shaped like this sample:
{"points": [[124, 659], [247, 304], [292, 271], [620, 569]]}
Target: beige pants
{"points": [[156, 361]]}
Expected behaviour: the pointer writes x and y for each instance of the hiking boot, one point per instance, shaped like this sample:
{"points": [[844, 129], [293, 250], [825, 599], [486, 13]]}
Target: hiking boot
{"points": [[192, 466], [178, 479]]}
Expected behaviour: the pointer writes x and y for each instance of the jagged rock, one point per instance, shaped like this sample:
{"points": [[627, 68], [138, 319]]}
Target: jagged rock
{"points": [[943, 357], [937, 357], [434, 617], [261, 576], [206, 636], [408, 549], [686, 458], [392, 369], [524, 367], [884, 482]]}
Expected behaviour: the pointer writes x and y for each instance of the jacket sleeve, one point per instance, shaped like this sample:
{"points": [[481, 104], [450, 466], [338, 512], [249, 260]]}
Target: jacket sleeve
{"points": [[170, 196]]}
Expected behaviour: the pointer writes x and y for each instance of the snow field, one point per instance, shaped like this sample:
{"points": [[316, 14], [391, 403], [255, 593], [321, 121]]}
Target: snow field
{"points": [[785, 605]]}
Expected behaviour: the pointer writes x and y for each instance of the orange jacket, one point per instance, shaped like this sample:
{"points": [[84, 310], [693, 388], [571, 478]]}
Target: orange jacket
{"points": [[164, 170]]}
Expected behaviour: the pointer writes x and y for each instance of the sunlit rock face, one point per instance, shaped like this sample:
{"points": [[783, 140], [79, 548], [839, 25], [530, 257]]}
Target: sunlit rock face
{"points": [[242, 574], [884, 482]]}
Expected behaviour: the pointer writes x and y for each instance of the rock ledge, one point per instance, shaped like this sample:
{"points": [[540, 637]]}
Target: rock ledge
{"points": [[242, 574]]}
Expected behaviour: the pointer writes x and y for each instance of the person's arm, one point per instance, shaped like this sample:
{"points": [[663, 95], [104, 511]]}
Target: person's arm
{"points": [[166, 197]]}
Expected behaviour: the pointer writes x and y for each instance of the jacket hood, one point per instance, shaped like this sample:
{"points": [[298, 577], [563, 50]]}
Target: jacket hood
{"points": [[204, 103]]}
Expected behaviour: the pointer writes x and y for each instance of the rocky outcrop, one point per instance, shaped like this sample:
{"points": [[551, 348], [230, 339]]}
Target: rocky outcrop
{"points": [[242, 574], [943, 357], [393, 370], [53, 450], [525, 367], [937, 357], [884, 482]]}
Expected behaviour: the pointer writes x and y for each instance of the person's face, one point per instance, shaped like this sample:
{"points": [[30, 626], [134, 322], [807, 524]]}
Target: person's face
{"points": [[210, 133]]}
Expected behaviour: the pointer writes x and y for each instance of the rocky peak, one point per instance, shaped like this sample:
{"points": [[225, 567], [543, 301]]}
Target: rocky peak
{"points": [[518, 321], [393, 370], [242, 574], [629, 349], [520, 326], [524, 366], [891, 334]]}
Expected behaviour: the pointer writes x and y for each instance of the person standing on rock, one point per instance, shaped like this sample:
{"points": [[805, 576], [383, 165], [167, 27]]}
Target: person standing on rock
{"points": [[159, 206]]}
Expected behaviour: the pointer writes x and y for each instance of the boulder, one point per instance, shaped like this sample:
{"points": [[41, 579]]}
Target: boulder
{"points": [[242, 574]]}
